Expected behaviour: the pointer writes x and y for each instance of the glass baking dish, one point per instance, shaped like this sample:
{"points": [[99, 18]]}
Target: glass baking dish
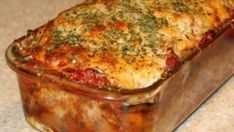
{"points": [[54, 104]]}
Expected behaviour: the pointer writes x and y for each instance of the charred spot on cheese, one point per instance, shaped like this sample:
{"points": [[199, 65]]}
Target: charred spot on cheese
{"points": [[208, 37], [128, 40]]}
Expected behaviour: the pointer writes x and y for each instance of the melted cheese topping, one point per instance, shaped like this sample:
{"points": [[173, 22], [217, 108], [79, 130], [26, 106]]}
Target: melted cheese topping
{"points": [[126, 40]]}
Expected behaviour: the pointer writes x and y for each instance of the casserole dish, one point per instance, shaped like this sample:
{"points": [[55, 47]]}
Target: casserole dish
{"points": [[60, 102], [55, 104]]}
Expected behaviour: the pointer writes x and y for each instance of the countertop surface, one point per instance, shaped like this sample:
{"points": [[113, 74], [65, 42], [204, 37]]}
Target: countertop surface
{"points": [[16, 16]]}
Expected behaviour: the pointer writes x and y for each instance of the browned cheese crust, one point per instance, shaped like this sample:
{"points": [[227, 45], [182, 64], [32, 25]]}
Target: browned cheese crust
{"points": [[128, 44]]}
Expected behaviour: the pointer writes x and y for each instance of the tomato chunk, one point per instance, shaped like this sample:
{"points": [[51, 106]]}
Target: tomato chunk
{"points": [[171, 62], [89, 76]]}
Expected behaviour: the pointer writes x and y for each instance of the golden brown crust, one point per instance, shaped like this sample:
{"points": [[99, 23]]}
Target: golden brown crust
{"points": [[127, 43]]}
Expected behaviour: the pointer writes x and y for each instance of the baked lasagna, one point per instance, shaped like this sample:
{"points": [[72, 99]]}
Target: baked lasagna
{"points": [[123, 44]]}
